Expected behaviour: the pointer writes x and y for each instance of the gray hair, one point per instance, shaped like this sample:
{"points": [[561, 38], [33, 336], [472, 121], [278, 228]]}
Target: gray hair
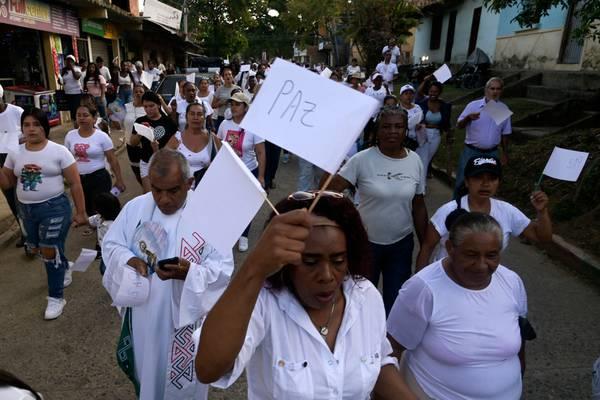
{"points": [[473, 223], [162, 161], [494, 79], [392, 111]]}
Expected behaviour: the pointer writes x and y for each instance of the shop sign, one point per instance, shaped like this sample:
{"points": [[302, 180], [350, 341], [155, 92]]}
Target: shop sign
{"points": [[93, 27], [41, 16], [162, 14]]}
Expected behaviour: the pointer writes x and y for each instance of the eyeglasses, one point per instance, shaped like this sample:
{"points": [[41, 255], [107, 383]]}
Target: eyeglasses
{"points": [[303, 196]]}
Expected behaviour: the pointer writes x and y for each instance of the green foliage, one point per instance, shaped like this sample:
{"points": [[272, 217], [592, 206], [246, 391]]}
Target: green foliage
{"points": [[531, 11]]}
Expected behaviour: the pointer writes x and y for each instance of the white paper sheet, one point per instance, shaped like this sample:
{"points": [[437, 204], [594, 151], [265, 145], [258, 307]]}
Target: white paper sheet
{"points": [[498, 111], [245, 68], [191, 77], [85, 259], [133, 289], [214, 213], [315, 118], [326, 73], [144, 131], [565, 164], [146, 79], [442, 74]]}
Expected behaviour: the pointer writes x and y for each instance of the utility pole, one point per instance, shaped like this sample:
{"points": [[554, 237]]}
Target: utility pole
{"points": [[185, 19]]}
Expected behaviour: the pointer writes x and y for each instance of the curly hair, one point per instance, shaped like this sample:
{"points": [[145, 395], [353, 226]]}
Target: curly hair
{"points": [[342, 212]]}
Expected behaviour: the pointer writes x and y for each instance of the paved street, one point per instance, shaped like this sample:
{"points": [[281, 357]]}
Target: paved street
{"points": [[73, 357]]}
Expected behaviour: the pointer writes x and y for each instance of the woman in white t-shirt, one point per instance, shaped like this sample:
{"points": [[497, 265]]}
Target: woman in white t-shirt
{"points": [[206, 95], [133, 111], [300, 317], [482, 178], [38, 171], [70, 77], [95, 84], [92, 148], [456, 323], [249, 147], [196, 143], [390, 181], [415, 113]]}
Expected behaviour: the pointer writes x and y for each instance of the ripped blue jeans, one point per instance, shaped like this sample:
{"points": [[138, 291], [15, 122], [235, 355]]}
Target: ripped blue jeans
{"points": [[47, 225]]}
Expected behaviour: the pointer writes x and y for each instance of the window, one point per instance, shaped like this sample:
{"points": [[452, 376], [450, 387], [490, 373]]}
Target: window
{"points": [[436, 32]]}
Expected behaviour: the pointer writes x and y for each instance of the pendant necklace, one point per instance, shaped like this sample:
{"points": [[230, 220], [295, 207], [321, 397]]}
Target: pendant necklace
{"points": [[324, 329]]}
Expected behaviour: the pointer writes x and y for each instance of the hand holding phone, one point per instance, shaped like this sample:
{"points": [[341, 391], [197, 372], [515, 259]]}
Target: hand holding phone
{"points": [[172, 261]]}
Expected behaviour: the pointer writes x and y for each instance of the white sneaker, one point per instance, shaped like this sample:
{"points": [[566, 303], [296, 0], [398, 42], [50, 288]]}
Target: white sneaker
{"points": [[54, 308], [68, 275], [243, 244]]}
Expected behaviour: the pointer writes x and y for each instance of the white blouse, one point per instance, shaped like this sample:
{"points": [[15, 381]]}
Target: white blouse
{"points": [[287, 358]]}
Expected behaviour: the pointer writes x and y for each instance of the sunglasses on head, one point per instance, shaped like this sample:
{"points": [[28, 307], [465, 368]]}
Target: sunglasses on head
{"points": [[302, 196]]}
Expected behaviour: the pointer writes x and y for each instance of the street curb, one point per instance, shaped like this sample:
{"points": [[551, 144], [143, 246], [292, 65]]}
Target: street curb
{"points": [[13, 231], [572, 256]]}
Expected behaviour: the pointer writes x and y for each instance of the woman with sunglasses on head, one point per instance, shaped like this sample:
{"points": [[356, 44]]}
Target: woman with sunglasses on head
{"points": [[299, 316], [390, 180], [39, 170], [482, 179], [249, 147]]}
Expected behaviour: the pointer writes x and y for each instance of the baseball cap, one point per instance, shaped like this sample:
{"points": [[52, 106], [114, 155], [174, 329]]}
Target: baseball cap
{"points": [[71, 57], [376, 75], [406, 88], [240, 98], [481, 164]]}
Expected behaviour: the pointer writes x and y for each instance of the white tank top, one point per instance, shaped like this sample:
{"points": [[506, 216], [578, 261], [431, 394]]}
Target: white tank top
{"points": [[126, 80], [196, 160]]}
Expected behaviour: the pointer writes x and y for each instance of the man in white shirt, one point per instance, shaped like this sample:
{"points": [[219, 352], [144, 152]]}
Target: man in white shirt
{"points": [[353, 68], [10, 135], [394, 49], [104, 71], [388, 70], [154, 72], [163, 302]]}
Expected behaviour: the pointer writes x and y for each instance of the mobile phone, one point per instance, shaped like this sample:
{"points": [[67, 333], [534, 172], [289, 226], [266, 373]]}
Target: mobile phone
{"points": [[172, 260]]}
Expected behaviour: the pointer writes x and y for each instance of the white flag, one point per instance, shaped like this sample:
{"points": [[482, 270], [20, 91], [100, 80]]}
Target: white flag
{"points": [[146, 80], [565, 164], [317, 119], [191, 77], [223, 204]]}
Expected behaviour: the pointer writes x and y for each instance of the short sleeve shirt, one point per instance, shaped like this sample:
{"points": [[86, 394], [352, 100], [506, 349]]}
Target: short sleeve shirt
{"points": [[386, 187], [39, 173], [378, 95], [89, 151], [512, 221], [95, 87], [241, 141], [72, 85], [387, 70], [483, 132], [223, 94], [164, 128], [10, 128]]}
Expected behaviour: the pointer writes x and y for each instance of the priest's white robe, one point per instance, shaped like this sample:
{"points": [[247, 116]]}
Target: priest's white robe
{"points": [[163, 323]]}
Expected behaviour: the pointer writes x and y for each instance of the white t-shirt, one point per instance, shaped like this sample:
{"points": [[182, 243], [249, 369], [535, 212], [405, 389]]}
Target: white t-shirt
{"points": [[101, 225], [387, 71], [105, 72], [241, 141], [378, 95], [39, 173], [461, 343], [10, 128], [415, 116], [88, 151], [182, 105], [352, 70], [395, 53], [155, 72], [196, 160], [285, 357], [512, 221], [386, 187], [131, 114], [72, 85]]}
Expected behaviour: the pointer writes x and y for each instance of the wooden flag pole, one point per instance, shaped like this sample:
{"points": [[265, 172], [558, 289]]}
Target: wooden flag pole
{"points": [[323, 188], [270, 204]]}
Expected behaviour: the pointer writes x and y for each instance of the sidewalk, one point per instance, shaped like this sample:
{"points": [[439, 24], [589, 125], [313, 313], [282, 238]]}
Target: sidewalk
{"points": [[8, 226]]}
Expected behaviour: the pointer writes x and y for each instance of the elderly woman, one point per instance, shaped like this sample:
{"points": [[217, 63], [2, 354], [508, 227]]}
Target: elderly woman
{"points": [[39, 170], [249, 147], [179, 106], [390, 180], [482, 179], [456, 322], [299, 316]]}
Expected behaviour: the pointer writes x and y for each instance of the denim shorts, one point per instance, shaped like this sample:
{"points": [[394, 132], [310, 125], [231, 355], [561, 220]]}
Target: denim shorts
{"points": [[47, 223]]}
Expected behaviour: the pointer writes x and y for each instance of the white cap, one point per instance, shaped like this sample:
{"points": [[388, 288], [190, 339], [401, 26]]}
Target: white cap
{"points": [[72, 57], [406, 88]]}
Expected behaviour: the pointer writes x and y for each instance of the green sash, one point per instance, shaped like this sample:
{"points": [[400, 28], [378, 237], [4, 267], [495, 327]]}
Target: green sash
{"points": [[125, 356]]}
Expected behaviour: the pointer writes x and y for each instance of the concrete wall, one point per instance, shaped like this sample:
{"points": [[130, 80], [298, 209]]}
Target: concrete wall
{"points": [[486, 37]]}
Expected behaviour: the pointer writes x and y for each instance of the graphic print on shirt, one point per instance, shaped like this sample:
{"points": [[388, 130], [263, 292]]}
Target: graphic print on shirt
{"points": [[159, 132], [81, 154], [31, 175], [235, 140], [398, 176]]}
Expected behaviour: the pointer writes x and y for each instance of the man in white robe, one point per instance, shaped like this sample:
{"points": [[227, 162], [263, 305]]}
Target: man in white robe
{"points": [[161, 304]]}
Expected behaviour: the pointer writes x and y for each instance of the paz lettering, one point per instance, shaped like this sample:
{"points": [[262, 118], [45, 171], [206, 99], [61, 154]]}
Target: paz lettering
{"points": [[293, 101]]}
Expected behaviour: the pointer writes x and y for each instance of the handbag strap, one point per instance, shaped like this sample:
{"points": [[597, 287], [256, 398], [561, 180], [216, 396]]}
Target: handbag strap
{"points": [[213, 148]]}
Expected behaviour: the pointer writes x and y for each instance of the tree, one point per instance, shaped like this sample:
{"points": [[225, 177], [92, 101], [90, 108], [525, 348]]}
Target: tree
{"points": [[530, 12], [394, 19]]}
